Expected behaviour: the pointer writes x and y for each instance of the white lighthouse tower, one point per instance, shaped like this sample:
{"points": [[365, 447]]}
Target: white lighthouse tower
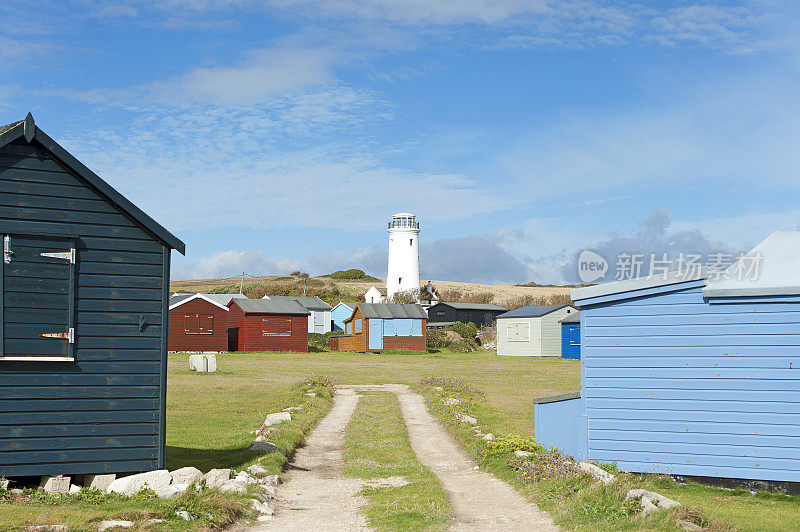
{"points": [[403, 271]]}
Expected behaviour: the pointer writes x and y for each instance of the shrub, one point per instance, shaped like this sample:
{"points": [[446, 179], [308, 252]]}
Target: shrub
{"points": [[351, 275], [321, 342], [512, 442], [405, 296], [466, 346], [436, 339], [466, 330]]}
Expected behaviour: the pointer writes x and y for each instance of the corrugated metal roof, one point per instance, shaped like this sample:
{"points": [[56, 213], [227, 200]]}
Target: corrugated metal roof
{"points": [[531, 311], [308, 302], [285, 305], [473, 306], [574, 317], [392, 310]]}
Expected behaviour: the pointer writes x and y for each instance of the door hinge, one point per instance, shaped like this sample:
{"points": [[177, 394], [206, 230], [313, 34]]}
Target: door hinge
{"points": [[66, 255], [69, 336], [7, 253]]}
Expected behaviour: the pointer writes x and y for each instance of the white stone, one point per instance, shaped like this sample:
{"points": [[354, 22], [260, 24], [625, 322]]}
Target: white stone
{"points": [[262, 508], [211, 363], [488, 437], [272, 480], [438, 388], [264, 446], [99, 482], [687, 525], [651, 501], [600, 475], [270, 490], [256, 469], [49, 528], [464, 418], [217, 477], [235, 485], [132, 484], [522, 454], [186, 516], [197, 363], [310, 394], [264, 518], [171, 491], [73, 489], [450, 401], [276, 418], [55, 484], [186, 475], [292, 409], [112, 523]]}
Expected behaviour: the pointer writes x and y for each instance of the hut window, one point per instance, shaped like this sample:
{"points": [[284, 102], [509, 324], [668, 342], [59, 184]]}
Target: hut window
{"points": [[206, 323], [519, 332], [191, 324], [440, 312], [276, 326], [348, 327], [358, 325]]}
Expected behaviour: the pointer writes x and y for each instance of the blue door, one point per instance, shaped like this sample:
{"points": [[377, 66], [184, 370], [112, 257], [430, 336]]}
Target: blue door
{"points": [[571, 340], [375, 335]]}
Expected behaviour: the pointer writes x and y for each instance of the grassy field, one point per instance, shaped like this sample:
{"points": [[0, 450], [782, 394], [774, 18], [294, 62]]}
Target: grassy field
{"points": [[377, 447]]}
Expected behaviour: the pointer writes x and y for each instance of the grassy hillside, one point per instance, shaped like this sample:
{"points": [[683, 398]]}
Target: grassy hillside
{"points": [[335, 290]]}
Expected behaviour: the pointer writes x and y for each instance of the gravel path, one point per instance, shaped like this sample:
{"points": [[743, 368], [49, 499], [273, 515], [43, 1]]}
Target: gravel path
{"points": [[323, 498]]}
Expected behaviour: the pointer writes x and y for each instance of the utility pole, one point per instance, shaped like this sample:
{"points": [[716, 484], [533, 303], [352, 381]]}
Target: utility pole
{"points": [[241, 285]]}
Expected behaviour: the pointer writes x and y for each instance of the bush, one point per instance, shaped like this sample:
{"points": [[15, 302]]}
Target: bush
{"points": [[466, 346], [405, 296], [321, 342], [436, 339], [351, 275], [466, 330]]}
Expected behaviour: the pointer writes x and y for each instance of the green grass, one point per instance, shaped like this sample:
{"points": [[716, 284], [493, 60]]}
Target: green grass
{"points": [[377, 446]]}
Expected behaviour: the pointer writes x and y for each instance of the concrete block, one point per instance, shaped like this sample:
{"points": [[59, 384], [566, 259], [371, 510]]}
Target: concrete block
{"points": [[55, 484], [211, 363], [99, 482], [197, 363]]}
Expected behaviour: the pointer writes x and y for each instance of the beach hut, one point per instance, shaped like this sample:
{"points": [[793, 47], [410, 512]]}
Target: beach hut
{"points": [[319, 312], [481, 314], [199, 322], [275, 324], [532, 331], [83, 315], [571, 336], [691, 373], [375, 327], [341, 312]]}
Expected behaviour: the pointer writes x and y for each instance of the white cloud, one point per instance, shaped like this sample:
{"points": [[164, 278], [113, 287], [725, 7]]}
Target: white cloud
{"points": [[232, 263]]}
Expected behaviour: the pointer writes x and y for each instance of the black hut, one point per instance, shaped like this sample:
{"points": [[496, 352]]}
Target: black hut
{"points": [[481, 314], [83, 314]]}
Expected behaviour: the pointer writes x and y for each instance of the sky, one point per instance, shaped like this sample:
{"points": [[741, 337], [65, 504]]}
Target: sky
{"points": [[275, 135]]}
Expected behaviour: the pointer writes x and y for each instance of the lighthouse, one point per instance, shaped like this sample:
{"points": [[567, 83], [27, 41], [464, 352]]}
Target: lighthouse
{"points": [[403, 271]]}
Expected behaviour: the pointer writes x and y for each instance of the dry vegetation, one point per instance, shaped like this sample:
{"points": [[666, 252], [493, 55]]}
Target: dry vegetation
{"points": [[334, 290]]}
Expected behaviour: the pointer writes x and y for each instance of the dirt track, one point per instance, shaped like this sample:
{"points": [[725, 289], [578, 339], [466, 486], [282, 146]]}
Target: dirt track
{"points": [[320, 496]]}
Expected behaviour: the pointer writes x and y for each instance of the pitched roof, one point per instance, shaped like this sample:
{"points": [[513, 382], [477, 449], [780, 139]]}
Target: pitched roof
{"points": [[27, 129], [392, 310], [271, 306], [770, 268], [573, 317], [473, 306], [381, 291], [220, 300], [308, 302], [532, 311], [348, 304], [630, 285]]}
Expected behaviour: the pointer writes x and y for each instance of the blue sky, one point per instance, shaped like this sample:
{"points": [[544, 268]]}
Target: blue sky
{"points": [[275, 135]]}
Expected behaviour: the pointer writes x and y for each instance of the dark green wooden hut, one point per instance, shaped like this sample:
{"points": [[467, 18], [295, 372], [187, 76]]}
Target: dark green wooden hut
{"points": [[83, 317]]}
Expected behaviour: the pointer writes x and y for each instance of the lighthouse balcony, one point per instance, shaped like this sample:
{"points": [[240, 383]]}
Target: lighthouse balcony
{"points": [[404, 223]]}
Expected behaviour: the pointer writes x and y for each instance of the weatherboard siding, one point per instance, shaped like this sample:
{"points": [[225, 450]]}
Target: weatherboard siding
{"points": [[248, 329], [673, 384], [179, 340], [102, 412]]}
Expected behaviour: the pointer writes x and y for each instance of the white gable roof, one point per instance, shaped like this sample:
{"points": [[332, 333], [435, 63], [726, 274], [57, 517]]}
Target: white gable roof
{"points": [[220, 300], [770, 268]]}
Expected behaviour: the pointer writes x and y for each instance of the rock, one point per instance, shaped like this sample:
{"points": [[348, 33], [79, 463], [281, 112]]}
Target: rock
{"points": [[450, 401], [55, 484], [154, 480], [310, 394], [272, 480], [464, 418], [16, 491], [186, 516], [598, 474], [235, 485], [99, 482], [186, 475], [262, 508], [264, 518], [256, 469], [522, 454], [203, 363], [686, 525], [292, 409], [264, 446], [488, 437], [270, 490], [651, 501], [263, 497], [112, 523], [172, 491], [276, 418], [217, 477], [49, 528], [73, 489], [4, 484], [260, 438], [438, 388], [151, 522]]}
